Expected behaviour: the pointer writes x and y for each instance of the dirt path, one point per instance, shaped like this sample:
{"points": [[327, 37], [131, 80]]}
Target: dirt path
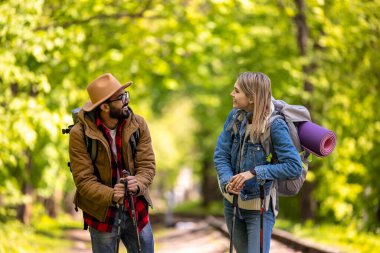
{"points": [[185, 237], [81, 241]]}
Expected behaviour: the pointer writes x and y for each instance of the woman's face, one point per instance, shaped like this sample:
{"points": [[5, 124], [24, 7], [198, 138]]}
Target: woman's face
{"points": [[239, 99]]}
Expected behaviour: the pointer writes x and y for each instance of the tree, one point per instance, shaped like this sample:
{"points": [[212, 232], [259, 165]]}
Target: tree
{"points": [[184, 57]]}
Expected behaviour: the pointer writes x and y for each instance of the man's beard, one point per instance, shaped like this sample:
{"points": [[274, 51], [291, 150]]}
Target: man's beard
{"points": [[119, 113]]}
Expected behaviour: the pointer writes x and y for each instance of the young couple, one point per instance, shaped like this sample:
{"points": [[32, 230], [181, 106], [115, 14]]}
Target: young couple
{"points": [[239, 159]]}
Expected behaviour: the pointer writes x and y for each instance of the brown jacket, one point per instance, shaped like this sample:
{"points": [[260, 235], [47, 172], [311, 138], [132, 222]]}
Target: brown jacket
{"points": [[94, 193]]}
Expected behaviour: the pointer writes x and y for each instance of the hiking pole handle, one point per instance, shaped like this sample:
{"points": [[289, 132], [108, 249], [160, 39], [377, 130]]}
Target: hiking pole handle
{"points": [[126, 173], [125, 181]]}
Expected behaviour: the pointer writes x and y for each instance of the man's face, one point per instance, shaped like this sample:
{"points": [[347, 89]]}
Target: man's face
{"points": [[119, 105]]}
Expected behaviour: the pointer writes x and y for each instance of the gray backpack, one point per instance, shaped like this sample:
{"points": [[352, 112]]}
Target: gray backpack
{"points": [[292, 115]]}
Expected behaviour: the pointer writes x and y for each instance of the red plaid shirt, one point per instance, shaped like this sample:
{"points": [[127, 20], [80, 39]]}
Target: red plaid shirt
{"points": [[141, 205]]}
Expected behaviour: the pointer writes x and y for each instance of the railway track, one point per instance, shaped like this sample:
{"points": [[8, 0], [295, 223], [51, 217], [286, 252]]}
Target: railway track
{"points": [[210, 235], [202, 235]]}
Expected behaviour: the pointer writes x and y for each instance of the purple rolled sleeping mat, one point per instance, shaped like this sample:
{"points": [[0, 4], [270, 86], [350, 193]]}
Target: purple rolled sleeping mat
{"points": [[316, 139]]}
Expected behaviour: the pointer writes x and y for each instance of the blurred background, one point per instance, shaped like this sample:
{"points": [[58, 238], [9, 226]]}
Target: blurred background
{"points": [[184, 57]]}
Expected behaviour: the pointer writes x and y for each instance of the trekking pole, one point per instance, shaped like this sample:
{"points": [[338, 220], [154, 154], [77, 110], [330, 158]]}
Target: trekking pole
{"points": [[133, 210], [118, 230], [262, 208], [121, 209], [235, 204]]}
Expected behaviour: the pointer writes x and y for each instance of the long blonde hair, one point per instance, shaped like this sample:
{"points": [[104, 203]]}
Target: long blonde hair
{"points": [[257, 87]]}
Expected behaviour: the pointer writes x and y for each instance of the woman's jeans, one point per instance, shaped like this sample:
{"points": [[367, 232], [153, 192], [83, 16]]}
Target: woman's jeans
{"points": [[104, 242], [246, 236]]}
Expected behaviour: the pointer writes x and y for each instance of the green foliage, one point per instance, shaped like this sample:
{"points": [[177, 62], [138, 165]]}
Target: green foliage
{"points": [[184, 57], [172, 142], [347, 238], [194, 208], [43, 235], [347, 77]]}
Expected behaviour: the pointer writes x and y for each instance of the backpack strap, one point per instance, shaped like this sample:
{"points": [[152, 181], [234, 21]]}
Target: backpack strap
{"points": [[234, 124], [266, 139], [133, 141], [92, 146], [92, 149]]}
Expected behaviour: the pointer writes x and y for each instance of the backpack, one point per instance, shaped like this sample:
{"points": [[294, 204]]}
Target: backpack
{"points": [[292, 115], [91, 144]]}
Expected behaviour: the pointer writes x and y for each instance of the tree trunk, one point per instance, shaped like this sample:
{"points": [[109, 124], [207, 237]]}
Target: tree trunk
{"points": [[68, 205], [302, 30], [308, 204], [50, 205], [24, 211], [209, 187]]}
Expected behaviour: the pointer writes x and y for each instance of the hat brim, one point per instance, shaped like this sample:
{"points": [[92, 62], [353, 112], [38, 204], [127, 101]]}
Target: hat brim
{"points": [[89, 106]]}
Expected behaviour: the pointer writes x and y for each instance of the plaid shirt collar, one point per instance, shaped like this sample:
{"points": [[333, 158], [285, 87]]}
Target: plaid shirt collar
{"points": [[117, 165]]}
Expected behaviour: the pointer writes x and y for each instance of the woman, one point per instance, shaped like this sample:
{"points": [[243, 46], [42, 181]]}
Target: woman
{"points": [[243, 167]]}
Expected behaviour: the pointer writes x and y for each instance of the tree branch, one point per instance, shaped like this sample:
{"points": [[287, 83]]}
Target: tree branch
{"points": [[67, 24]]}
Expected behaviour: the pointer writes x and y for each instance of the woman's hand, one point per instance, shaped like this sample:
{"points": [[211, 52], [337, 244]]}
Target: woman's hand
{"points": [[237, 181], [231, 190]]}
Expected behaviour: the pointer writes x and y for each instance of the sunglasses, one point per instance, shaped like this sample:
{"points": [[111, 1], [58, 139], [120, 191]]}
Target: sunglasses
{"points": [[123, 97]]}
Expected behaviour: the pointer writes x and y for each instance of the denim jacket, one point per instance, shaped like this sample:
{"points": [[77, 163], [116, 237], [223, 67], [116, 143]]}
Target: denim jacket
{"points": [[227, 157]]}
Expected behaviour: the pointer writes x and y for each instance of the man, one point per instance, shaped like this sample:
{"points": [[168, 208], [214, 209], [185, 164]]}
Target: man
{"points": [[109, 120]]}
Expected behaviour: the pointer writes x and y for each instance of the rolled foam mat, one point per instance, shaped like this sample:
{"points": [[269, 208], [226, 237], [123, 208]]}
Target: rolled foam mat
{"points": [[316, 139]]}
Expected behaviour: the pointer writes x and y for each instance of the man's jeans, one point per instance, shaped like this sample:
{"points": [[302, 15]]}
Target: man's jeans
{"points": [[104, 242], [247, 231]]}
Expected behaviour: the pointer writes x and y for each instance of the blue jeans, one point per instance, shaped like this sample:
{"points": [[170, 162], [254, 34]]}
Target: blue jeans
{"points": [[246, 237], [104, 242]]}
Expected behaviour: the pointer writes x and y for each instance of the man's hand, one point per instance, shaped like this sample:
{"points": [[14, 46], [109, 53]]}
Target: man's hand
{"points": [[118, 193], [237, 181], [132, 184]]}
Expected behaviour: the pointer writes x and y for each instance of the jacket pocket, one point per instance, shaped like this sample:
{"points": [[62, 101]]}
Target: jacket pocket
{"points": [[256, 154], [251, 187], [91, 208]]}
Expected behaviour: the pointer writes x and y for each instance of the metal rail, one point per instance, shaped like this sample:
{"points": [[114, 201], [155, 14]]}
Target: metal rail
{"points": [[282, 236]]}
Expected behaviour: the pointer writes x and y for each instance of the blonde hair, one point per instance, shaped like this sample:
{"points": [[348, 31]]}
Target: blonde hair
{"points": [[257, 87]]}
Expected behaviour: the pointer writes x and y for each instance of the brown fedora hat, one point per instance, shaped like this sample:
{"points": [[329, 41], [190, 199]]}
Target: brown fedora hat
{"points": [[101, 89]]}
